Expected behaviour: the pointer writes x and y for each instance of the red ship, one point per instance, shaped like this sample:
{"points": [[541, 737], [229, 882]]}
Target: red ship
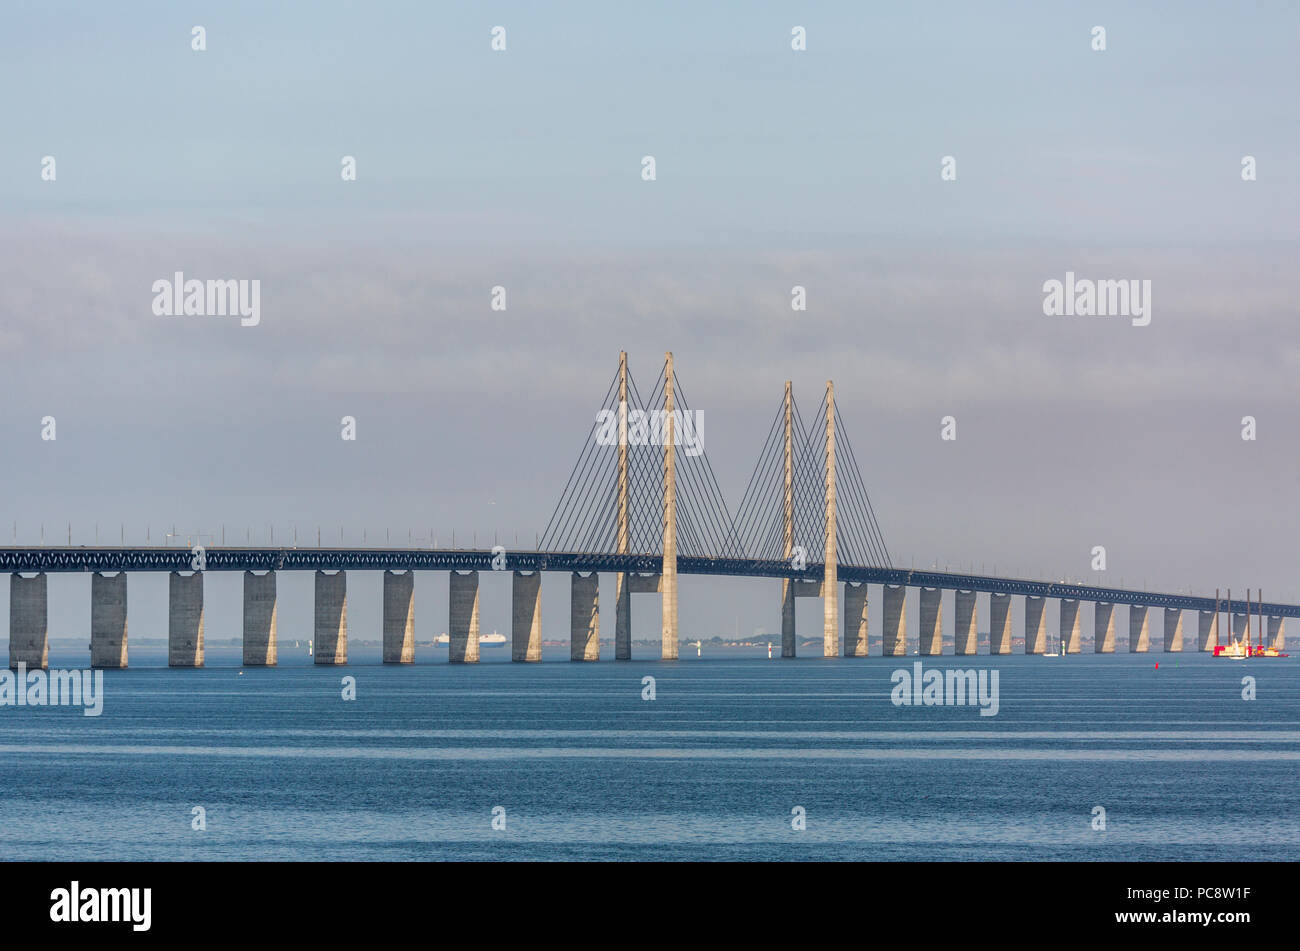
{"points": [[1237, 650]]}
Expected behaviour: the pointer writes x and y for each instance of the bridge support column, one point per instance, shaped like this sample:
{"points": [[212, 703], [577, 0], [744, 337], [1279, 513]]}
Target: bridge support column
{"points": [[584, 617], [185, 620], [1103, 627], [330, 625], [1173, 629], [668, 650], [259, 619], [29, 627], [331, 618], [1069, 614], [399, 617], [1035, 624], [999, 623], [894, 639], [788, 642], [966, 637], [1139, 632], [1277, 632], [526, 617], [1240, 627], [932, 622], [622, 617], [1207, 630], [855, 619], [462, 626], [108, 620], [830, 616]]}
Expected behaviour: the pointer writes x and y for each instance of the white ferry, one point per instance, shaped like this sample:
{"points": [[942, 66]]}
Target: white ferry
{"points": [[484, 640]]}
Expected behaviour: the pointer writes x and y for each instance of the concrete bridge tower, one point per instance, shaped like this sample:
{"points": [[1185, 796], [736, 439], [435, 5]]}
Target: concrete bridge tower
{"points": [[787, 538], [669, 585], [830, 579], [622, 590]]}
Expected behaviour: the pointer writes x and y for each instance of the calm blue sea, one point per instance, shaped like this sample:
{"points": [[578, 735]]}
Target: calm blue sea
{"points": [[713, 768]]}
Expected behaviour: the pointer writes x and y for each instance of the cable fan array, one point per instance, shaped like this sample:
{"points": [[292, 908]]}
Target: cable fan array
{"points": [[586, 517]]}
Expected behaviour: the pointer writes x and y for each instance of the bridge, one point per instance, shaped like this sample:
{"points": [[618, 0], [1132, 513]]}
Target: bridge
{"points": [[643, 503]]}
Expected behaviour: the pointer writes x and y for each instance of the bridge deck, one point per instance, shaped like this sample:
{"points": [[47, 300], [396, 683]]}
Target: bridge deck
{"points": [[160, 558]]}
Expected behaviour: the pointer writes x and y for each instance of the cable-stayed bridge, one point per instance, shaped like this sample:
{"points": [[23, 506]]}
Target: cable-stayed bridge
{"points": [[642, 501]]}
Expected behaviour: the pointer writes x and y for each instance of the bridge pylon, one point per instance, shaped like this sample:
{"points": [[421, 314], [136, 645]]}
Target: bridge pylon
{"points": [[805, 499], [622, 590], [830, 576], [669, 587], [787, 527], [643, 486]]}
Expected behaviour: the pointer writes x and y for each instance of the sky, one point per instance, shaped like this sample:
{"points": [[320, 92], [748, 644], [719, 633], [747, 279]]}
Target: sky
{"points": [[522, 168]]}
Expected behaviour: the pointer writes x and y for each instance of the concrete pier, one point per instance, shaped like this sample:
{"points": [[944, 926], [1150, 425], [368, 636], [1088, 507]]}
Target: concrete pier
{"points": [[331, 617], [185, 620], [622, 617], [855, 619], [966, 637], [399, 617], [797, 588], [584, 617], [1239, 627], [999, 624], [462, 625], [29, 626], [259, 619], [1207, 630], [1103, 627], [1139, 632], [788, 643], [1173, 630], [526, 617], [1277, 632], [1035, 624], [1070, 634], [108, 620], [931, 622], [895, 631]]}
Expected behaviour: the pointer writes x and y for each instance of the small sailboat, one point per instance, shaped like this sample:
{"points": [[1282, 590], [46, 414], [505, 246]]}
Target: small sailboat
{"points": [[769, 650], [697, 648], [310, 647]]}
